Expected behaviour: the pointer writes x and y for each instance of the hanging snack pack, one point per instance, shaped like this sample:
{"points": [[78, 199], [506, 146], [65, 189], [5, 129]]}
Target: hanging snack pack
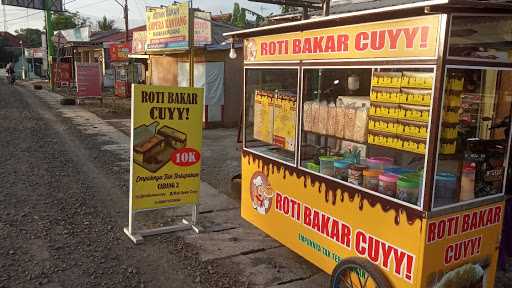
{"points": [[417, 80], [284, 120], [332, 119], [307, 116]]}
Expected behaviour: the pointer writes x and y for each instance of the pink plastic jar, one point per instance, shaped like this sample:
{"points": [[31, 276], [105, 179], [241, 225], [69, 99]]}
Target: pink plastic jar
{"points": [[379, 163], [387, 184]]}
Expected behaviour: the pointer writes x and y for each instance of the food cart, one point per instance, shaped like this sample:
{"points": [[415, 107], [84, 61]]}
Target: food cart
{"points": [[372, 145]]}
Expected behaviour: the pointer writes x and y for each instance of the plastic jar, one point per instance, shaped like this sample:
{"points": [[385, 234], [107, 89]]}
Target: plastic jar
{"points": [[355, 174], [467, 182], [327, 165], [387, 184], [408, 189], [445, 189], [398, 171], [379, 163], [371, 179], [313, 167], [341, 169]]}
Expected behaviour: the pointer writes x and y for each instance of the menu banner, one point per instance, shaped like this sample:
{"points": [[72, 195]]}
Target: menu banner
{"points": [[119, 52], [405, 38], [139, 42], [166, 144], [88, 80]]}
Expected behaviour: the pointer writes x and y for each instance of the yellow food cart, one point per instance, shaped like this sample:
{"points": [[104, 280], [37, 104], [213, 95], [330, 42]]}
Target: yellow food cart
{"points": [[372, 145]]}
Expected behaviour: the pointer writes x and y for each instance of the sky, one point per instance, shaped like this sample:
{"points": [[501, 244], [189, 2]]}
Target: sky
{"points": [[95, 9]]}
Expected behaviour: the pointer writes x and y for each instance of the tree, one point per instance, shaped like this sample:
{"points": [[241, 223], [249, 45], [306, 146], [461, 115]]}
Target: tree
{"points": [[7, 54], [238, 19], [105, 24], [31, 37], [68, 20], [287, 9]]}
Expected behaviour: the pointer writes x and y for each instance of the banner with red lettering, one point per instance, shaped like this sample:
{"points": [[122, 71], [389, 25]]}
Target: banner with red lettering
{"points": [[88, 80], [416, 37], [461, 249]]}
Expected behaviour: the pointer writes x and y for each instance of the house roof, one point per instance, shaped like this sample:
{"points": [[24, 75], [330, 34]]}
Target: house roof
{"points": [[115, 36], [12, 41]]}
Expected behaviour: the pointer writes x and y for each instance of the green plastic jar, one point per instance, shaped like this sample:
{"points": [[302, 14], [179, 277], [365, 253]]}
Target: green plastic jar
{"points": [[408, 189]]}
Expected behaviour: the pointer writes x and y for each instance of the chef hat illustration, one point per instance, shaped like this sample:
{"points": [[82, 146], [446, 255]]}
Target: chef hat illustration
{"points": [[258, 181]]}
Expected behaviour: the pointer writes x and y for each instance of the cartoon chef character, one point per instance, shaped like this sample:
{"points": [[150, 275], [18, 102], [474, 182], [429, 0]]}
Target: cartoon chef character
{"points": [[261, 193]]}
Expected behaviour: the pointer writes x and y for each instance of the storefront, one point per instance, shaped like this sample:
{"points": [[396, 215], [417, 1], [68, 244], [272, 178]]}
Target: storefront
{"points": [[371, 141]]}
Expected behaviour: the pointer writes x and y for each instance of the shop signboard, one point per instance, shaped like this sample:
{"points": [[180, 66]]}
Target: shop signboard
{"points": [[202, 29], [88, 80], [55, 5], [167, 27], [119, 52], [416, 37], [63, 75], [139, 42], [166, 145]]}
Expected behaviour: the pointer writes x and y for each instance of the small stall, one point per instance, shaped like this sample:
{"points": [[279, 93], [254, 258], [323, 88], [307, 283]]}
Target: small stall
{"points": [[374, 141], [119, 60]]}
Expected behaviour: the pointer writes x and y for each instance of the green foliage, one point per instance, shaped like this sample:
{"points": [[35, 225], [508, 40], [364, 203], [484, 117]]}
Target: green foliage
{"points": [[287, 9], [6, 53], [31, 37], [105, 24], [68, 20], [235, 19]]}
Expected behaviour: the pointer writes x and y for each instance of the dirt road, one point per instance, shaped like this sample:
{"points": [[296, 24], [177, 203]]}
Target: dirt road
{"points": [[63, 203]]}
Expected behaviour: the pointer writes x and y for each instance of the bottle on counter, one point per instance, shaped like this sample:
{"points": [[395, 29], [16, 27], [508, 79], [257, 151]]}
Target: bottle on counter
{"points": [[467, 182]]}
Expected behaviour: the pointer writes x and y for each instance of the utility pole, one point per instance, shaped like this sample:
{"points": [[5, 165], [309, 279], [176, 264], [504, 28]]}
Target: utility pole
{"points": [[49, 37], [5, 19], [125, 13]]}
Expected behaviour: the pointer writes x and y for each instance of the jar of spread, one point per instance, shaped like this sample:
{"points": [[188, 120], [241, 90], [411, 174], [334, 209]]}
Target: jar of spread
{"points": [[371, 179], [355, 174], [387, 184], [341, 169]]}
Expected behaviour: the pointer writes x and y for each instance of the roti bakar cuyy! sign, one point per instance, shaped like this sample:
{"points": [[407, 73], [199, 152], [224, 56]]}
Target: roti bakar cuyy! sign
{"points": [[412, 37]]}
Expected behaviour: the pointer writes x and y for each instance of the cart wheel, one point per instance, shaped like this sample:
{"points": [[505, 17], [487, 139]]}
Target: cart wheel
{"points": [[355, 272]]}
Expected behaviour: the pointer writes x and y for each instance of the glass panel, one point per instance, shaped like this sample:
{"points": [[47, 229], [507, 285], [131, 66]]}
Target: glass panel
{"points": [[270, 112], [474, 135], [368, 127], [481, 37]]}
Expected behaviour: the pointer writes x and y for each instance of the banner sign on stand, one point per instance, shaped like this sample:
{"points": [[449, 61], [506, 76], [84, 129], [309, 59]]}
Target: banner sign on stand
{"points": [[119, 52], [63, 76], [88, 80], [166, 150]]}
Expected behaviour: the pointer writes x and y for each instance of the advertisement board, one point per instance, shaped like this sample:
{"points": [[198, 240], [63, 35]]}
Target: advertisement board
{"points": [[167, 27], [166, 145], [139, 42], [56, 5], [63, 75], [202, 29], [462, 248], [119, 52], [88, 80], [412, 37]]}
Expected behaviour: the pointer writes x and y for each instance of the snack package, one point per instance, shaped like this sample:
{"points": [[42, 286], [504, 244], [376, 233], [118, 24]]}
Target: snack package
{"points": [[360, 127], [350, 121], [307, 116], [387, 79], [263, 116], [332, 120], [415, 96], [322, 117], [315, 117], [340, 115], [417, 79]]}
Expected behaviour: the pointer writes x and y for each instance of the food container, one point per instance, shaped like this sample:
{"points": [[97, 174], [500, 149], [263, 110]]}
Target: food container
{"points": [[379, 163], [341, 169], [313, 167], [413, 144], [384, 139], [412, 128], [414, 113], [355, 174], [387, 95], [387, 184], [467, 182], [382, 124], [415, 96], [398, 171], [408, 188], [327, 165], [371, 179], [388, 110], [445, 189], [417, 79], [387, 79]]}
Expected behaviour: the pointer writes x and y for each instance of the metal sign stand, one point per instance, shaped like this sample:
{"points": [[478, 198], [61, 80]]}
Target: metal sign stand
{"points": [[137, 236]]}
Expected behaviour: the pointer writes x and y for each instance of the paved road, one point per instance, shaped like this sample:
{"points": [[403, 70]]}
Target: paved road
{"points": [[63, 203]]}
